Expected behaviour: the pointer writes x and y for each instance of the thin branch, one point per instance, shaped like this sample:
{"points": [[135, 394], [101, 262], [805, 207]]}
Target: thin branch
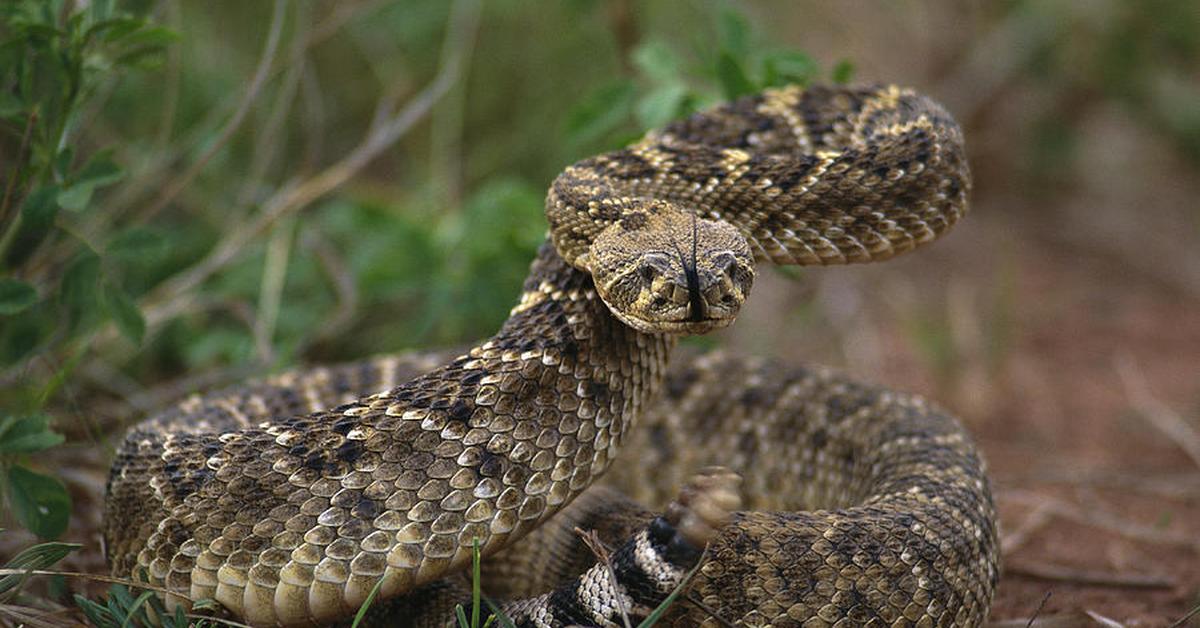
{"points": [[267, 142], [708, 610], [1038, 610], [171, 296], [1155, 411], [1174, 485], [1103, 520], [153, 167], [1088, 577], [342, 280], [248, 98], [171, 78], [270, 295], [16, 169], [1039, 517]]}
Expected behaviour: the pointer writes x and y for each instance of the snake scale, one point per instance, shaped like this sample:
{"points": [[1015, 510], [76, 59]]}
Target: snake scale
{"points": [[289, 499]]}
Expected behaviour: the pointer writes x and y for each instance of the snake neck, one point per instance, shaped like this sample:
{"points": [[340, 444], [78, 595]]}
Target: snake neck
{"points": [[398, 485]]}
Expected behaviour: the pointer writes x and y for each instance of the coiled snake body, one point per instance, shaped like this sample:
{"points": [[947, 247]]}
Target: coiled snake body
{"points": [[289, 500]]}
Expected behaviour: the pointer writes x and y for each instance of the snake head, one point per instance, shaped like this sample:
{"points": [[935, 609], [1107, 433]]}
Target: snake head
{"points": [[661, 269]]}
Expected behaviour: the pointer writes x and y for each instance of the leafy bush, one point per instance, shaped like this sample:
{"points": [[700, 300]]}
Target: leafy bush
{"points": [[61, 281]]}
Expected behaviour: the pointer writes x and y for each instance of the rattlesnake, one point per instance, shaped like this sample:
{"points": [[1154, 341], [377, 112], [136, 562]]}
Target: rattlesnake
{"points": [[289, 500]]}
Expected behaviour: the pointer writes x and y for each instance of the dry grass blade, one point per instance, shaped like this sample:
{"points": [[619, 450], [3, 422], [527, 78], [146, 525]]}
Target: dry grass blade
{"points": [[1182, 620], [1107, 622], [592, 540], [98, 578], [35, 618]]}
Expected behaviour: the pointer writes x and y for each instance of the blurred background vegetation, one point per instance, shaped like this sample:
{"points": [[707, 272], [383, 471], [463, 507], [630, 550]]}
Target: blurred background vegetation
{"points": [[197, 192]]}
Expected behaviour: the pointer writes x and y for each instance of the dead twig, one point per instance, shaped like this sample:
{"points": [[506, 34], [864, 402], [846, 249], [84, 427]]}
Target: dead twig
{"points": [[708, 610], [1173, 485], [173, 296], [1103, 520], [261, 73], [1038, 611], [1058, 573], [342, 281], [1039, 517], [1155, 411]]}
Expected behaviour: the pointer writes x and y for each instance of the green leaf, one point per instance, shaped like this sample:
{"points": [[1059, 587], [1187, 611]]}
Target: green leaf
{"points": [[99, 171], [36, 557], [153, 36], [80, 289], [10, 105], [40, 502], [115, 29], [26, 435], [37, 219], [843, 72], [658, 62], [733, 32], [15, 296], [137, 244], [600, 113], [23, 333], [788, 66], [734, 82], [63, 161], [661, 105], [124, 313]]}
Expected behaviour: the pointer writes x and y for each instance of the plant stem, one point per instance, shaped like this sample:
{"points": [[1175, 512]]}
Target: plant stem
{"points": [[12, 177]]}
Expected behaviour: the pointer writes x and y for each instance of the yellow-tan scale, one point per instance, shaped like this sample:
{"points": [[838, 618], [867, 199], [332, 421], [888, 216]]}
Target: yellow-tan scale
{"points": [[296, 519]]}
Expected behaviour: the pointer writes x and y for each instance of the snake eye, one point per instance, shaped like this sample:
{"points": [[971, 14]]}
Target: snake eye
{"points": [[653, 265]]}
